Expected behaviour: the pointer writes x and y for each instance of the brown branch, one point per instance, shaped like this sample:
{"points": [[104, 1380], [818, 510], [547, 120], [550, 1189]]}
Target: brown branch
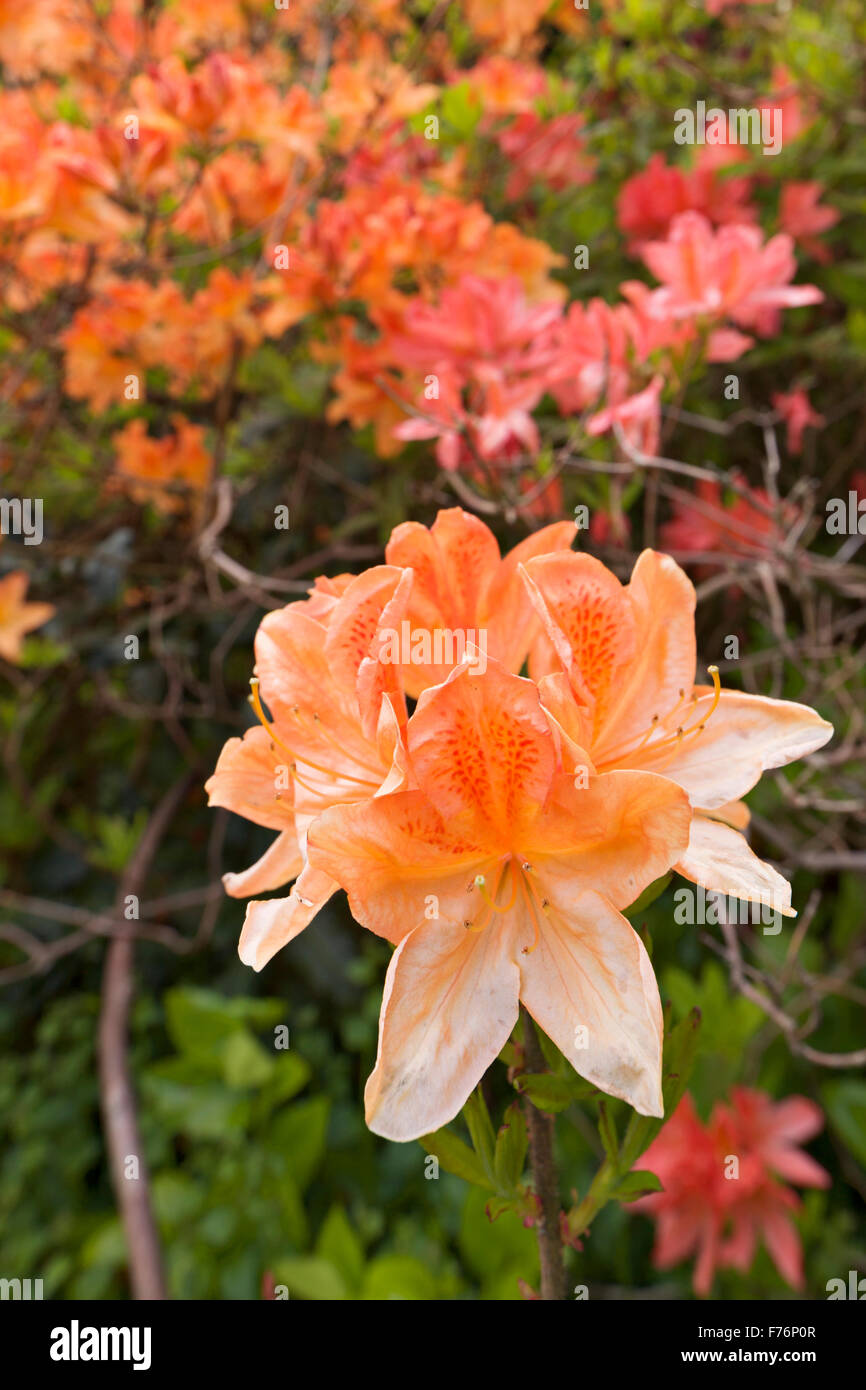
{"points": [[544, 1176], [117, 1092]]}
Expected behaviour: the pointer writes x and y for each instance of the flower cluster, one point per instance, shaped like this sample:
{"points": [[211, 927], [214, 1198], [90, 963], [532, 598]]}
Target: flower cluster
{"points": [[138, 148], [495, 833]]}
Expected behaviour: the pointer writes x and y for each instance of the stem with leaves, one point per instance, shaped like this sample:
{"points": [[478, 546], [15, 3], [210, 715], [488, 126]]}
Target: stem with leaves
{"points": [[544, 1176]]}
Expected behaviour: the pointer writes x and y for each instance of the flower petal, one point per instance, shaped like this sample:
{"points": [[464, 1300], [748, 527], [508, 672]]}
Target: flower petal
{"points": [[399, 862], [279, 864], [617, 835], [590, 971], [590, 622], [719, 859], [245, 781], [506, 611], [783, 1243], [454, 564], [272, 922], [483, 752], [745, 735], [662, 598], [449, 1006]]}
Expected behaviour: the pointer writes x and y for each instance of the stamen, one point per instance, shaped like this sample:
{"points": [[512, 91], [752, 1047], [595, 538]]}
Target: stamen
{"points": [[527, 893], [256, 702], [480, 884], [321, 732], [674, 739]]}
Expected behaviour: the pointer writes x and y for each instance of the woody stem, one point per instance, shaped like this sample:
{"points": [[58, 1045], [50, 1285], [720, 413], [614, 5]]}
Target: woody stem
{"points": [[544, 1175]]}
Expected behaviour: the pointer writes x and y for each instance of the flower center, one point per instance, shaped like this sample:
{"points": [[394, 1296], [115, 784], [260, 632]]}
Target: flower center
{"points": [[521, 880]]}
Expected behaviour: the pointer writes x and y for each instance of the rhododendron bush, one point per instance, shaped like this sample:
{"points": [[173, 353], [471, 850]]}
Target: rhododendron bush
{"points": [[432, 617]]}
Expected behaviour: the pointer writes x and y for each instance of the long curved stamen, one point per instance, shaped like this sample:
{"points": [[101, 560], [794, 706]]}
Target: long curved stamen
{"points": [[256, 702], [698, 728], [322, 733], [527, 893], [674, 739], [480, 884]]}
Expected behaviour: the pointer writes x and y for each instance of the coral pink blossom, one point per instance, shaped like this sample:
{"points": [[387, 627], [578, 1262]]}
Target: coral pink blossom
{"points": [[722, 1188], [746, 527], [729, 274], [489, 352], [592, 356], [639, 417], [796, 411], [649, 201], [549, 152], [802, 218]]}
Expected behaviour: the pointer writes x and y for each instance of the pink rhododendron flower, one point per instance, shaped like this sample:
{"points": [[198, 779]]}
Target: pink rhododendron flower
{"points": [[490, 353], [638, 415], [707, 524], [797, 413], [550, 152], [802, 218], [730, 273], [717, 1213], [649, 201]]}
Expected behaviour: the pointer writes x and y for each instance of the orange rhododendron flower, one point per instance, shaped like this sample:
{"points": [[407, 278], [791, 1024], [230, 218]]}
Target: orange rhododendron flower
{"points": [[17, 618], [496, 836], [335, 735], [708, 1210], [621, 687], [167, 471], [462, 587], [500, 882]]}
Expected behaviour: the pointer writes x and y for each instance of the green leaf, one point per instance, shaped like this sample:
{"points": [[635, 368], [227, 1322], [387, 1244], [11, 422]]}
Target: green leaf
{"points": [[460, 108], [649, 895], [107, 1246], [550, 1093], [846, 1108], [637, 1184], [199, 1024], [309, 1276], [338, 1244], [457, 1157], [393, 1277], [511, 1145], [298, 1134], [680, 1049], [481, 1130], [607, 1131], [245, 1062], [288, 1074]]}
